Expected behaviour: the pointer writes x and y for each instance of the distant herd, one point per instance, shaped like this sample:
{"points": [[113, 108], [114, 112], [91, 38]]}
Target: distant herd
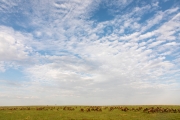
{"points": [[98, 109]]}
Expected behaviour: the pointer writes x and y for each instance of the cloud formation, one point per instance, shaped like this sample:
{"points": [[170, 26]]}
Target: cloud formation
{"points": [[69, 55]]}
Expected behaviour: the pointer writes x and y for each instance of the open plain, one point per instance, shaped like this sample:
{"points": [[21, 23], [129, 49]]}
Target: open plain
{"points": [[144, 112]]}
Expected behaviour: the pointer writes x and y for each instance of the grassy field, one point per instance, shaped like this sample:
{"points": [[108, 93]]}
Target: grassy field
{"points": [[90, 113]]}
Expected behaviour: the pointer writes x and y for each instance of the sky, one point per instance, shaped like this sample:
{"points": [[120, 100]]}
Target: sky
{"points": [[89, 52]]}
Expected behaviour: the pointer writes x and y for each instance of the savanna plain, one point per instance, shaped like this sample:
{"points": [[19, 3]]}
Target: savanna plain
{"points": [[143, 112]]}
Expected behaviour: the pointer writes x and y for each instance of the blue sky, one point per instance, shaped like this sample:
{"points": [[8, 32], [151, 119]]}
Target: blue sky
{"points": [[93, 52]]}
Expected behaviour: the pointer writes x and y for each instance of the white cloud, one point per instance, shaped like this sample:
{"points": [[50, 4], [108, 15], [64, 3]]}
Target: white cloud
{"points": [[103, 65], [168, 29], [155, 4], [2, 67], [155, 44], [130, 37], [146, 35], [13, 44], [7, 4], [72, 58], [18, 49]]}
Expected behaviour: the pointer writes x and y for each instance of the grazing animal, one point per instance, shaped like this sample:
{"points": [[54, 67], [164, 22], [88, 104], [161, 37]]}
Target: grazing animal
{"points": [[82, 110]]}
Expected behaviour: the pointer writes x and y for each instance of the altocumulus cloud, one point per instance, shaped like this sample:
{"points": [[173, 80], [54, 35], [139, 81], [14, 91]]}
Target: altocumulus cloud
{"points": [[94, 52]]}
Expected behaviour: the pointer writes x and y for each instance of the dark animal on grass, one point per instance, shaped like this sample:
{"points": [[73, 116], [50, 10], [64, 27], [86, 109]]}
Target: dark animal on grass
{"points": [[82, 110]]}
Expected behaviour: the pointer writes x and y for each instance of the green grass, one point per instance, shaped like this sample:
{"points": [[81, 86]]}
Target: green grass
{"points": [[51, 113]]}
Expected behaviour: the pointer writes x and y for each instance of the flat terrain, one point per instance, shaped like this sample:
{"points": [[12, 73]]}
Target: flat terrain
{"points": [[90, 113]]}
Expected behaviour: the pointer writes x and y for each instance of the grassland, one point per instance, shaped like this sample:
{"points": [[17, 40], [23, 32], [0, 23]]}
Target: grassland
{"points": [[90, 113]]}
